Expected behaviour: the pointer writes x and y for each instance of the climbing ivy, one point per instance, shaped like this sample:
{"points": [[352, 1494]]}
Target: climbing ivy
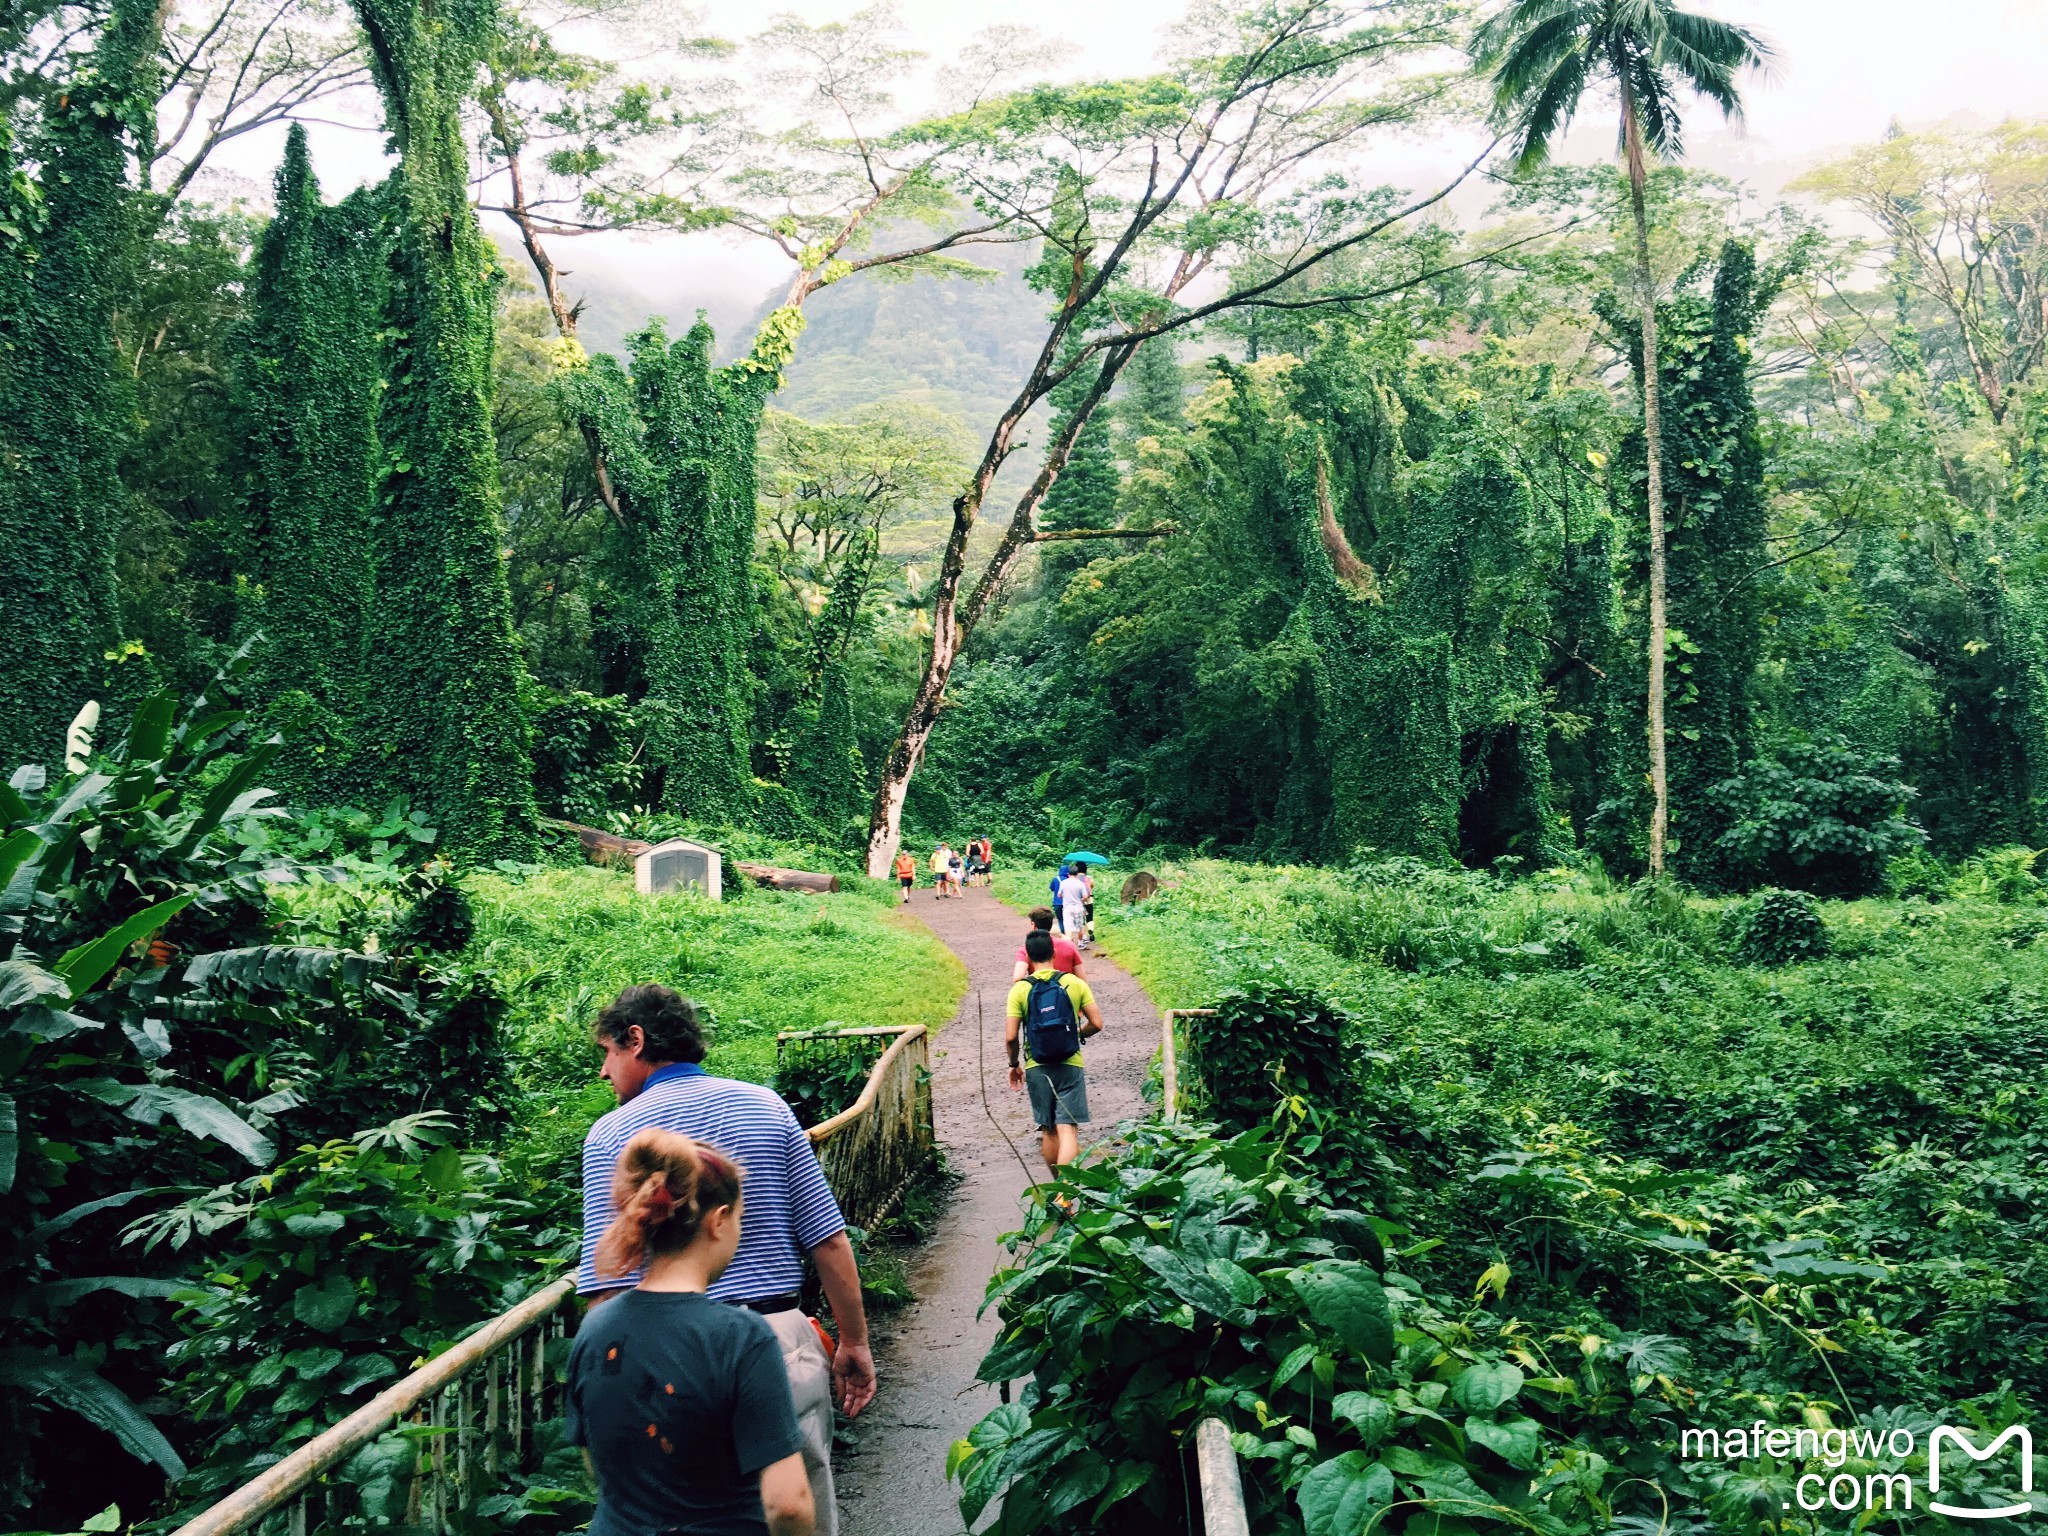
{"points": [[443, 719], [678, 436], [307, 388], [67, 250], [1716, 526]]}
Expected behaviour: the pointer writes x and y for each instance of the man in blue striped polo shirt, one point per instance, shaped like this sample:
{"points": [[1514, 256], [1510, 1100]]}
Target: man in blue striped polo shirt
{"points": [[654, 1060]]}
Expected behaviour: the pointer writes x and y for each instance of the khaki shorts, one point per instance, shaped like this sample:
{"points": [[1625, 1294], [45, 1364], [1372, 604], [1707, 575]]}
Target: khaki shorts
{"points": [[810, 1383]]}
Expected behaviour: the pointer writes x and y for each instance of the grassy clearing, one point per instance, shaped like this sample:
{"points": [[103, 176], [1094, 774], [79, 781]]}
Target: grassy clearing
{"points": [[562, 942]]}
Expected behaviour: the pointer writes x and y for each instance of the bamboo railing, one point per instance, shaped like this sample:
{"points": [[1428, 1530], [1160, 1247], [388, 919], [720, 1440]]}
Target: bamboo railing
{"points": [[475, 1409], [1223, 1510], [872, 1149]]}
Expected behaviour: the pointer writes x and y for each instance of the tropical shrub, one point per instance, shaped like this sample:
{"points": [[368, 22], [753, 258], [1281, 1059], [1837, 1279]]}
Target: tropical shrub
{"points": [[1821, 817], [1266, 1040], [1777, 928], [329, 1275], [1207, 1275], [164, 1027], [819, 1078]]}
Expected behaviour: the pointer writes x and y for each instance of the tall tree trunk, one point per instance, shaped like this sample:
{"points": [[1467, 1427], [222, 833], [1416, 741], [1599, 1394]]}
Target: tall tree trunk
{"points": [[951, 623], [1653, 444]]}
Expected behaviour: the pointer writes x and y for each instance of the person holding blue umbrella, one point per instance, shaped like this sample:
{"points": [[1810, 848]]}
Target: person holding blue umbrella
{"points": [[1073, 904], [1082, 863]]}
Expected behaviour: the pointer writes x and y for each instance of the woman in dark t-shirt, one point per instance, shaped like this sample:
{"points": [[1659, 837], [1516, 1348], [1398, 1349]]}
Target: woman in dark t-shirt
{"points": [[682, 1403]]}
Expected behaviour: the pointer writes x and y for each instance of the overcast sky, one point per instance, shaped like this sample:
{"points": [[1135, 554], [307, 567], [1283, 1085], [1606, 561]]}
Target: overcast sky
{"points": [[1845, 68]]}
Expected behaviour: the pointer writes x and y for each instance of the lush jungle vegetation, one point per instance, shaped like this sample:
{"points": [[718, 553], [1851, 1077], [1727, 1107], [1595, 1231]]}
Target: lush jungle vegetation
{"points": [[1513, 1182], [1582, 663]]}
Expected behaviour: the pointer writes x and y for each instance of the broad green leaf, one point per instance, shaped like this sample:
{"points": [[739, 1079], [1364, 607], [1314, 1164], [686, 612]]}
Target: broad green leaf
{"points": [[1195, 1287], [1370, 1416], [1081, 1480], [108, 1519], [150, 731], [363, 1370], [1007, 1423], [1010, 1358], [326, 1305], [70, 1385], [59, 1223], [312, 1364], [443, 1171], [1347, 1298], [1514, 1441], [23, 984], [1130, 1477], [61, 1293], [1338, 1497], [1484, 1387], [201, 1116], [957, 1457], [15, 852], [315, 1224], [84, 966], [46, 1024]]}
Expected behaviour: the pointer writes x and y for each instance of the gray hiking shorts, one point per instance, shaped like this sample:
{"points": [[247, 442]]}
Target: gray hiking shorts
{"points": [[1059, 1095]]}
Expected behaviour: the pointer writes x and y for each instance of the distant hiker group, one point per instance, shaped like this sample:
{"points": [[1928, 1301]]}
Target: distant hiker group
{"points": [[952, 869]]}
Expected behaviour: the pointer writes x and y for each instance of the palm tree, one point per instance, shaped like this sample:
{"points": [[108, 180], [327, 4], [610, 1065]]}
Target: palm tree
{"points": [[1541, 56]]}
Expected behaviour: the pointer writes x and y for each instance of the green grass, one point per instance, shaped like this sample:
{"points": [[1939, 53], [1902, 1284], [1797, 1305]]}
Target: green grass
{"points": [[561, 943]]}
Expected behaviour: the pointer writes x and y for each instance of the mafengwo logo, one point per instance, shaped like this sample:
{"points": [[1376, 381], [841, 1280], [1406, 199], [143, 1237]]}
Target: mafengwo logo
{"points": [[1952, 1454], [1949, 1435]]}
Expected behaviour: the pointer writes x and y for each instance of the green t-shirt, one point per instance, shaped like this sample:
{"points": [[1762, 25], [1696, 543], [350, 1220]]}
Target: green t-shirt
{"points": [[1077, 990]]}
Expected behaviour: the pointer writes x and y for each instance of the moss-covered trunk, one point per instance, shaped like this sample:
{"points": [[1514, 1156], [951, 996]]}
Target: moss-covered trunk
{"points": [[66, 397], [443, 718]]}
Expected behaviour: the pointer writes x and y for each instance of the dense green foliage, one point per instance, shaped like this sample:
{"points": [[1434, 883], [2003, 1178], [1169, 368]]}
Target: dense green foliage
{"points": [[1779, 1157], [66, 399], [307, 390], [442, 718], [679, 436], [1208, 1275], [166, 1031]]}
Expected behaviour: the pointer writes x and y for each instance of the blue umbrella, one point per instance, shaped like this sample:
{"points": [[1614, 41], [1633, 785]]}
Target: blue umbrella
{"points": [[1085, 857]]}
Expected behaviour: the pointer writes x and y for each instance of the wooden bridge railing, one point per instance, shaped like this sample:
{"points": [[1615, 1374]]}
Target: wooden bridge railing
{"points": [[475, 1409], [1216, 1469]]}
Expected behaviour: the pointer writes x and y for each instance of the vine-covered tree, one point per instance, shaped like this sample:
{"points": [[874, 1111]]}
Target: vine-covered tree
{"points": [[680, 438], [307, 389], [443, 719], [1542, 56], [66, 405]]}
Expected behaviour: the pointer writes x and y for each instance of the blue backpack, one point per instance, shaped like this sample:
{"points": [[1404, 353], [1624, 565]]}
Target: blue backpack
{"points": [[1052, 1027]]}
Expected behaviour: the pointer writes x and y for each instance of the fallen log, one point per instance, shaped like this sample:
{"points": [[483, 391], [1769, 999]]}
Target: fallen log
{"points": [[610, 848], [603, 847], [786, 879]]}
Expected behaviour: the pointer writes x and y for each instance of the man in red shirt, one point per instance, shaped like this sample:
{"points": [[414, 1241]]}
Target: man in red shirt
{"points": [[1065, 957]]}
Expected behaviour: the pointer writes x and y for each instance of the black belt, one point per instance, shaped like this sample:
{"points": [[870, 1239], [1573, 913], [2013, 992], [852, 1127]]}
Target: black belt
{"points": [[767, 1305]]}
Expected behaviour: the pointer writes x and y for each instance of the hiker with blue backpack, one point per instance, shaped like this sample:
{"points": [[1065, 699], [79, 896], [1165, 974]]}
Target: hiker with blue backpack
{"points": [[1050, 1013]]}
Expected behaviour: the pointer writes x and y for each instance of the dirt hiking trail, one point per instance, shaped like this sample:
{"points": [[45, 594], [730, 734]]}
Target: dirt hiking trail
{"points": [[892, 1478]]}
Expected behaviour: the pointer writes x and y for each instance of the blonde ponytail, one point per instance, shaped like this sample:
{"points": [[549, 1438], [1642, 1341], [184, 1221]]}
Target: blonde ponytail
{"points": [[664, 1186]]}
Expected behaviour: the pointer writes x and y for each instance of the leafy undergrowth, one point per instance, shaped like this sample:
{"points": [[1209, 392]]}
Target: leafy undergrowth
{"points": [[1805, 1191]]}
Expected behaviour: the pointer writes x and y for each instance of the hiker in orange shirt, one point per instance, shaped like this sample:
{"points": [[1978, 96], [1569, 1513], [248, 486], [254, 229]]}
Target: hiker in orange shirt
{"points": [[906, 873]]}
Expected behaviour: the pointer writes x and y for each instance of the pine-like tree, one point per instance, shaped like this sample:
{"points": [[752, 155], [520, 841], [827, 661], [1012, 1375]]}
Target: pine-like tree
{"points": [[1085, 494], [66, 400], [1154, 402], [443, 719], [307, 391]]}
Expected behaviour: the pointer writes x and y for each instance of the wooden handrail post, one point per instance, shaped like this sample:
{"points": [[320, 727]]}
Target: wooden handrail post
{"points": [[1223, 1512]]}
